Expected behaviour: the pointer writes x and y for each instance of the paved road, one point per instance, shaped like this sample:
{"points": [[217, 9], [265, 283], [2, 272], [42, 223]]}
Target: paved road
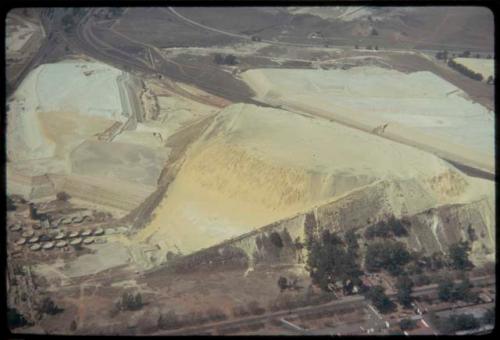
{"points": [[247, 37]]}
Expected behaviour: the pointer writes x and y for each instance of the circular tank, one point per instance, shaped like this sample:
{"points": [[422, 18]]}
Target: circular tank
{"points": [[73, 234], [98, 231], [36, 247], [48, 245], [76, 241], [33, 239], [61, 244], [88, 240], [21, 241]]}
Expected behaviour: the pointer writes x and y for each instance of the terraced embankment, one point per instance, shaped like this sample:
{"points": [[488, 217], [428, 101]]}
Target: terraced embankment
{"points": [[254, 166]]}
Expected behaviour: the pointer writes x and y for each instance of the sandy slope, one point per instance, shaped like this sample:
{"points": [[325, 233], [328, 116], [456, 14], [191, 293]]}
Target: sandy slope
{"points": [[427, 110], [59, 104], [256, 165]]}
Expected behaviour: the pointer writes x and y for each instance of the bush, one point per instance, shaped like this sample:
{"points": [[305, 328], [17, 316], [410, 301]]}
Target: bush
{"points": [[169, 320], [282, 283], [239, 311], [215, 314], [255, 309], [63, 196], [130, 302]]}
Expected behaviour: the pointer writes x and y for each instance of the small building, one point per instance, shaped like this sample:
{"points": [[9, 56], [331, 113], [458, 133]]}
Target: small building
{"points": [[36, 226]]}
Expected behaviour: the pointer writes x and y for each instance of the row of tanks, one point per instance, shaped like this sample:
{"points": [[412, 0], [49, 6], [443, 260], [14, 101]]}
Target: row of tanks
{"points": [[60, 240]]}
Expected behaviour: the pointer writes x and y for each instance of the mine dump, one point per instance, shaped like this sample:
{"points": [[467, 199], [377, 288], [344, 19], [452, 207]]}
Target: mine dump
{"points": [[262, 170]]}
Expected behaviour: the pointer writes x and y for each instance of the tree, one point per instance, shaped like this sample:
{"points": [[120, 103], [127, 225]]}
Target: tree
{"points": [[489, 317], [389, 255], [445, 289], [276, 240], [255, 309], [406, 324], [130, 301], [230, 60], [63, 196], [374, 31], [356, 47], [381, 301], [47, 306], [15, 319], [218, 59], [404, 286], [329, 261], [462, 291], [282, 283], [459, 256], [11, 206], [458, 322], [73, 326], [351, 239]]}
